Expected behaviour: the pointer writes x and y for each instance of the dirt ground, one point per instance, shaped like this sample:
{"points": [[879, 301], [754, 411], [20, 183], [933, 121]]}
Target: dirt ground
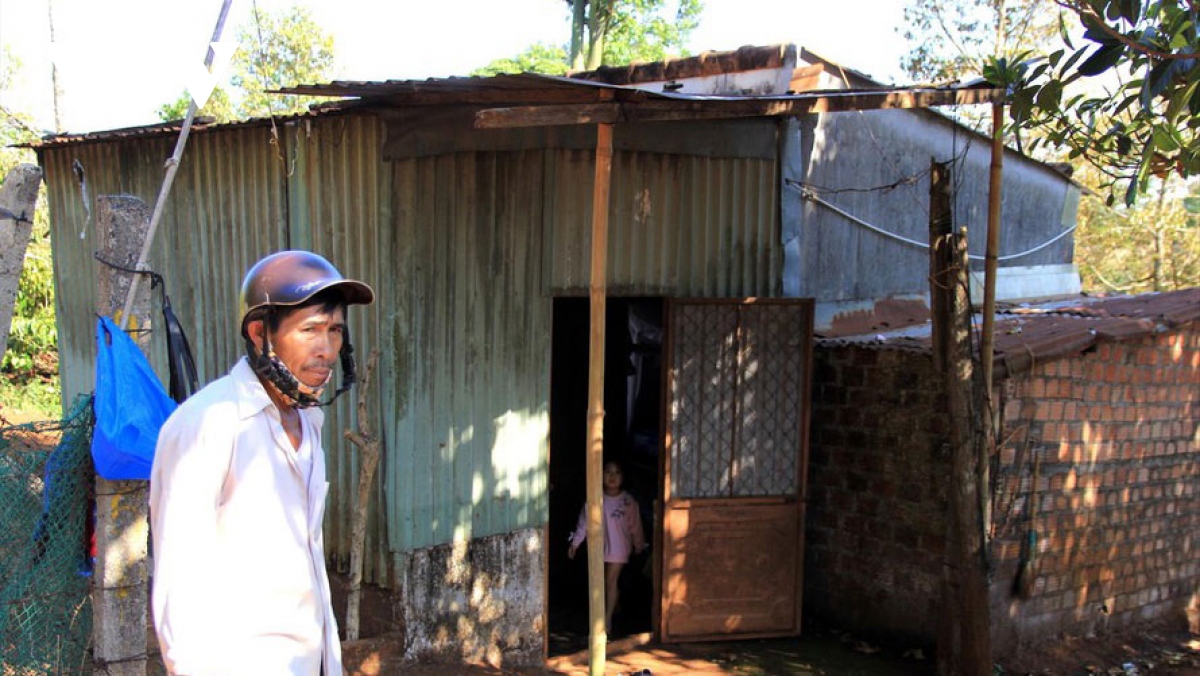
{"points": [[1152, 650]]}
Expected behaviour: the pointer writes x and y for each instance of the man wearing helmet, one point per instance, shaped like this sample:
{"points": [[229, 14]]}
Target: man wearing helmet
{"points": [[237, 490]]}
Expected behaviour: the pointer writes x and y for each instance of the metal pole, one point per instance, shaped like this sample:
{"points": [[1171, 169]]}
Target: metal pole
{"points": [[595, 442]]}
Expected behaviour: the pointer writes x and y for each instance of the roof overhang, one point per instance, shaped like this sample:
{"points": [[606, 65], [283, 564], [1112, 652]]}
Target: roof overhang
{"points": [[536, 100]]}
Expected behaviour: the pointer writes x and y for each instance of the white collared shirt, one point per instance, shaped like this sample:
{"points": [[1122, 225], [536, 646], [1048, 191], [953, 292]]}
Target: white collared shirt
{"points": [[239, 572]]}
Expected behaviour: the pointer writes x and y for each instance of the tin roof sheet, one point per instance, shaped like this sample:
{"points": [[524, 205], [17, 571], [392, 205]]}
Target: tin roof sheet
{"points": [[1031, 333]]}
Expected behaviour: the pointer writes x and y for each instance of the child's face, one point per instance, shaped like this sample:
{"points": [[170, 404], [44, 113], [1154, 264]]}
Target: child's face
{"points": [[612, 477]]}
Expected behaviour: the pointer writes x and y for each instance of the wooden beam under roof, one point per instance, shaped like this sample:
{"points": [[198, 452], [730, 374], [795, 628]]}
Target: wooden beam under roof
{"points": [[675, 109]]}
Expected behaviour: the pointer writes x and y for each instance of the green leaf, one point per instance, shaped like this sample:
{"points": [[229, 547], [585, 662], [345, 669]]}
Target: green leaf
{"points": [[1191, 205], [1063, 32], [1101, 60], [1072, 59], [1050, 95], [1164, 140]]}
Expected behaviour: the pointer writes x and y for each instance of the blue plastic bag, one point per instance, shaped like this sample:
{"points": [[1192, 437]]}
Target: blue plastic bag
{"points": [[131, 406]]}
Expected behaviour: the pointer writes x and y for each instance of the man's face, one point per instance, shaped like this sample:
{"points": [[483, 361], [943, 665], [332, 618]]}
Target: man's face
{"points": [[308, 342]]}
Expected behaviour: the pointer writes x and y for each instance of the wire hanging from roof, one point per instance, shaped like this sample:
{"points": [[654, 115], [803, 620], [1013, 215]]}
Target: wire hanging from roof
{"points": [[807, 193]]}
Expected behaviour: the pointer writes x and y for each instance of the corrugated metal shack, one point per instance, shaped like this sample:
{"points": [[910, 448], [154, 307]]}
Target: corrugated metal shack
{"points": [[469, 236]]}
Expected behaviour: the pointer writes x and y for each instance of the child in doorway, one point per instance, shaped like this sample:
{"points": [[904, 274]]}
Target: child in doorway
{"points": [[623, 534]]}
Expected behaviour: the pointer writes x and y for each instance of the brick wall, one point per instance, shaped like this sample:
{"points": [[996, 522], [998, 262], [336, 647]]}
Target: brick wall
{"points": [[1118, 500], [875, 524], [1117, 508]]}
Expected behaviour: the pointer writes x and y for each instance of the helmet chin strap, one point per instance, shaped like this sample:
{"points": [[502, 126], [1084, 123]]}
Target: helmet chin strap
{"points": [[268, 365]]}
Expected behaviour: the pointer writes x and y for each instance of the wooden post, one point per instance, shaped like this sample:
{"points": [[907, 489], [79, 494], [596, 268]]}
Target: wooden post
{"points": [[18, 198], [368, 445], [119, 587], [595, 442], [964, 645]]}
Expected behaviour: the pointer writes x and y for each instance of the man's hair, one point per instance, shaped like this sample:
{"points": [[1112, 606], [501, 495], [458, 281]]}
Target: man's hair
{"points": [[329, 300]]}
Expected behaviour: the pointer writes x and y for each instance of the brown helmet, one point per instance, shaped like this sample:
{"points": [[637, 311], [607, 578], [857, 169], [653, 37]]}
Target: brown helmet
{"points": [[290, 278]]}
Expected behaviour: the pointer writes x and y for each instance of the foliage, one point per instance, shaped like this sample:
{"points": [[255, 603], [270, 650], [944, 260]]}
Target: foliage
{"points": [[642, 30], [29, 372], [538, 58], [1139, 118], [218, 106], [953, 40], [276, 51], [15, 126], [1153, 246], [611, 33]]}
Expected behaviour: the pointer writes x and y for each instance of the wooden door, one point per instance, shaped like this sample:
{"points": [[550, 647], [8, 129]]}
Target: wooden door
{"points": [[731, 533]]}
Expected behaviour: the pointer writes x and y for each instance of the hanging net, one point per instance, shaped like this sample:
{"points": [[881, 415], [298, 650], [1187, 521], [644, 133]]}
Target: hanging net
{"points": [[46, 506]]}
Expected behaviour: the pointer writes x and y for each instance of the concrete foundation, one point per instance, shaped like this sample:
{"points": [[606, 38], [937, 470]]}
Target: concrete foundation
{"points": [[480, 601]]}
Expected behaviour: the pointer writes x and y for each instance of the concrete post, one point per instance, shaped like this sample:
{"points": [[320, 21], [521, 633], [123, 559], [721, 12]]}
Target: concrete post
{"points": [[120, 593], [18, 197]]}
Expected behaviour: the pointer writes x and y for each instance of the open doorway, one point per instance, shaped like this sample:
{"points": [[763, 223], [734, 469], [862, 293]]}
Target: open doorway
{"points": [[632, 426]]}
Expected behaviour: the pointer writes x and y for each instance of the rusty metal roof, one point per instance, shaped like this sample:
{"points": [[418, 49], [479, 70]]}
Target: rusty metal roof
{"points": [[1029, 334], [172, 128], [613, 87]]}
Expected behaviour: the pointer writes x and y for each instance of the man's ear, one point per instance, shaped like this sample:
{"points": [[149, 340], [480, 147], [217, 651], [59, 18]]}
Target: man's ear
{"points": [[255, 330]]}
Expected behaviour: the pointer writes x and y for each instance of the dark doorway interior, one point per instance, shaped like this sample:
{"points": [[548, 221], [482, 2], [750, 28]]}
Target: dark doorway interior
{"points": [[632, 425]]}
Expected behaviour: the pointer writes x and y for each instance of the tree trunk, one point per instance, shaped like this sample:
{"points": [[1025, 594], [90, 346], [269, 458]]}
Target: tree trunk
{"points": [[578, 22], [964, 645], [18, 198], [598, 23], [57, 86]]}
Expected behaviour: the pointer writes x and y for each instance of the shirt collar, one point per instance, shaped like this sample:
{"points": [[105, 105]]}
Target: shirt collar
{"points": [[252, 397]]}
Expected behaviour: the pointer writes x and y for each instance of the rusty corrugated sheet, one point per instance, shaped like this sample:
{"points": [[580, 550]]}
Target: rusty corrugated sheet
{"points": [[1035, 333]]}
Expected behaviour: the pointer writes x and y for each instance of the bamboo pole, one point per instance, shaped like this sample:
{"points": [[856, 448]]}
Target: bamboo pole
{"points": [[595, 442], [172, 168], [987, 341], [368, 445]]}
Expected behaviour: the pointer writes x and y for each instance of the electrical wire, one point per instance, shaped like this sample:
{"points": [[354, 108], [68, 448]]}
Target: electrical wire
{"points": [[811, 196]]}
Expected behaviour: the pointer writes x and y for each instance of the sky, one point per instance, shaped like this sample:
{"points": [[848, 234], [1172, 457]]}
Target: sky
{"points": [[119, 60]]}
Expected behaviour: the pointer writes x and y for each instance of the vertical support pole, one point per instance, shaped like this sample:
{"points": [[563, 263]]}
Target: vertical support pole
{"points": [[120, 592], [595, 441], [987, 341], [964, 643]]}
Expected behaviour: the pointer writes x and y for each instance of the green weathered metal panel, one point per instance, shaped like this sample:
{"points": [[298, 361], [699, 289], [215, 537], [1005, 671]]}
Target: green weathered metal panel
{"points": [[339, 201], [223, 212], [679, 225], [471, 451], [466, 251]]}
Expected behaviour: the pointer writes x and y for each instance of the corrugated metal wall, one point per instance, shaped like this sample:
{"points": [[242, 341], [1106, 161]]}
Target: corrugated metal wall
{"points": [[471, 445], [466, 250], [874, 165], [224, 211], [680, 225], [339, 204]]}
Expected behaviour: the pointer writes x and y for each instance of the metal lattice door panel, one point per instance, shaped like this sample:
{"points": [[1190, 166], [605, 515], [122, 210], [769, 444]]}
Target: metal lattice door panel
{"points": [[737, 387], [734, 463]]}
